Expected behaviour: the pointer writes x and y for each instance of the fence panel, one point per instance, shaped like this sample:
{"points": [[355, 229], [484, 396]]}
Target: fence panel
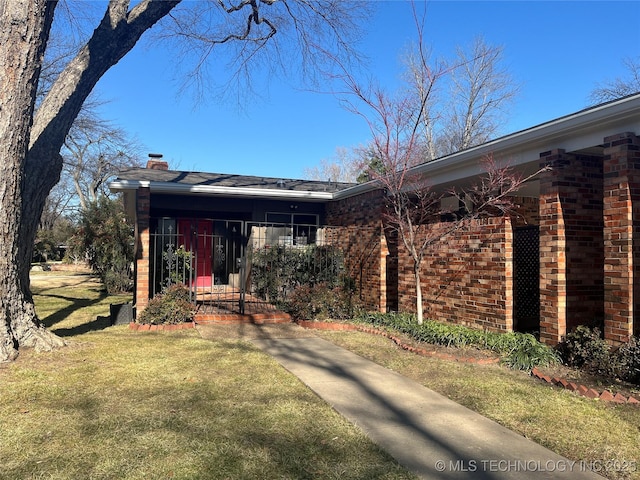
{"points": [[249, 268]]}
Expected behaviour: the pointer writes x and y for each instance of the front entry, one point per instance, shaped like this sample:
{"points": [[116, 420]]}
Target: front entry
{"points": [[215, 247]]}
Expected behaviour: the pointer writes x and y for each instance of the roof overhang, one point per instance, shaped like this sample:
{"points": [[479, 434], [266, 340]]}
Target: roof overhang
{"points": [[210, 190], [572, 133], [521, 150]]}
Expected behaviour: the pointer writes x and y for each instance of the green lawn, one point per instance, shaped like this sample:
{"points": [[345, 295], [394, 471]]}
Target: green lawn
{"points": [[581, 429], [121, 404]]}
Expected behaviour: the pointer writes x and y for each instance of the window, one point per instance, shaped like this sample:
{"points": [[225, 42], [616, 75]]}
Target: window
{"points": [[292, 228]]}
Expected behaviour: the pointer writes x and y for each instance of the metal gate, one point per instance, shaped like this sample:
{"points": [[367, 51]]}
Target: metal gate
{"points": [[236, 266], [526, 279]]}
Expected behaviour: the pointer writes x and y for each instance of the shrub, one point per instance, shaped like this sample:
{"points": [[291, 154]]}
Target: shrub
{"points": [[322, 301], [172, 306], [626, 362], [585, 348], [105, 238], [527, 352], [117, 281], [518, 350], [278, 270]]}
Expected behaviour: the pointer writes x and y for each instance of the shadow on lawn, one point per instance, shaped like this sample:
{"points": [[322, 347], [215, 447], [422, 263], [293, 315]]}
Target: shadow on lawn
{"points": [[99, 323]]}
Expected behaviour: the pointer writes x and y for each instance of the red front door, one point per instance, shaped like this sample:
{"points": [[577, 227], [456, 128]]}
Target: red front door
{"points": [[197, 237]]}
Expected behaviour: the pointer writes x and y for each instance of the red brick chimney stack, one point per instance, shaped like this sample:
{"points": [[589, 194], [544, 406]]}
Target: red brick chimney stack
{"points": [[155, 162]]}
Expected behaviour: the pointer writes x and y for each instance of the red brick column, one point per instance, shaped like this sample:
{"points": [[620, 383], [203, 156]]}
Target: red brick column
{"points": [[356, 226], [571, 243], [622, 235], [143, 203], [553, 267]]}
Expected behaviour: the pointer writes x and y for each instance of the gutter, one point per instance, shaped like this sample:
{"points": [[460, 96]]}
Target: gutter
{"points": [[245, 192]]}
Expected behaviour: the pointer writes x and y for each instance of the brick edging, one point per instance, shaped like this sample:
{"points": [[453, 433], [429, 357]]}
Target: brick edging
{"points": [[147, 327], [605, 395]]}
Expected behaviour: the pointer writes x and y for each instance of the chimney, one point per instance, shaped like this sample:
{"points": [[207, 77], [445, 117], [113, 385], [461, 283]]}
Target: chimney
{"points": [[155, 162]]}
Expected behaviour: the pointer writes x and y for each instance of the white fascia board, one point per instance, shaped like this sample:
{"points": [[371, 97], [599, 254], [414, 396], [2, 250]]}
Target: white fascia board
{"points": [[177, 188], [356, 190]]}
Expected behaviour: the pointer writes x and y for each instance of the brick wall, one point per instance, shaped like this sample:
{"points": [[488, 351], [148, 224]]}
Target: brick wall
{"points": [[356, 225], [466, 278], [527, 211], [621, 236], [571, 243]]}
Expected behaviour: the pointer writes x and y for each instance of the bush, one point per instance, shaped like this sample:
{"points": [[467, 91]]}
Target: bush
{"points": [[322, 301], [527, 352], [585, 348], [278, 270], [627, 361], [117, 281], [105, 238], [518, 350], [172, 306]]}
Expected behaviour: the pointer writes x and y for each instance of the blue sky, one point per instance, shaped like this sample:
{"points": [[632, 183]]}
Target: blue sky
{"points": [[556, 51]]}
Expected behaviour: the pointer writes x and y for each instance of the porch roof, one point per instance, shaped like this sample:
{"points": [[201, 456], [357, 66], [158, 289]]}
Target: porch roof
{"points": [[172, 181]]}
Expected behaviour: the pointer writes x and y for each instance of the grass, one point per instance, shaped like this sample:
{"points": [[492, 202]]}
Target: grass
{"points": [[575, 427], [121, 404]]}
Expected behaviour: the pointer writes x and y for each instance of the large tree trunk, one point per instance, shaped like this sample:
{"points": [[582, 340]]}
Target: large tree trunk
{"points": [[23, 36], [30, 162]]}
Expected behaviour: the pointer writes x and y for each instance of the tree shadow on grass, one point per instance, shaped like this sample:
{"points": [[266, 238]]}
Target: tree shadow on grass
{"points": [[76, 304], [100, 323]]}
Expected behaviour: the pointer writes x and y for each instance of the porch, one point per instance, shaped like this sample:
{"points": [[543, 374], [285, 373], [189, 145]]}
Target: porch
{"points": [[237, 271]]}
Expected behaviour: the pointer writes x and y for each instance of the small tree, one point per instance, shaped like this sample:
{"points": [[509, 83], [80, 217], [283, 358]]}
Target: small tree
{"points": [[106, 239], [414, 209]]}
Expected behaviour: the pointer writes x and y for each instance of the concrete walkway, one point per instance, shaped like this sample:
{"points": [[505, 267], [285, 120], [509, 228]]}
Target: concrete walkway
{"points": [[429, 434]]}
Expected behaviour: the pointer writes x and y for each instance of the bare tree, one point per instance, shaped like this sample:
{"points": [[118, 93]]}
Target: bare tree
{"points": [[414, 209], [424, 77], [619, 87], [342, 167], [462, 101], [466, 106], [32, 133], [93, 152], [480, 91]]}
